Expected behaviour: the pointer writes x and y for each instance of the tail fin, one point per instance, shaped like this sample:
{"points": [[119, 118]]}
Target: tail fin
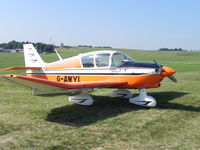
{"points": [[31, 56]]}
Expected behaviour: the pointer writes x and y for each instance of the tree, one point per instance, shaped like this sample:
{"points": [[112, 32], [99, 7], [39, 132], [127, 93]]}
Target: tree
{"points": [[41, 47]]}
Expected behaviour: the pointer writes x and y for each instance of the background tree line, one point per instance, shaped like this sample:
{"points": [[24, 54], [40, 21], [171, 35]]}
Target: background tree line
{"points": [[41, 47], [171, 49]]}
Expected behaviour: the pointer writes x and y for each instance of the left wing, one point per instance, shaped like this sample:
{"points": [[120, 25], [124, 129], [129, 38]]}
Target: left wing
{"points": [[48, 85]]}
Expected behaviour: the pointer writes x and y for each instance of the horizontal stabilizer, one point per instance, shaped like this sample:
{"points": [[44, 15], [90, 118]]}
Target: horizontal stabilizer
{"points": [[22, 68]]}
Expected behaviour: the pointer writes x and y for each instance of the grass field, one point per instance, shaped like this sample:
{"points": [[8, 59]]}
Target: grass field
{"points": [[52, 122]]}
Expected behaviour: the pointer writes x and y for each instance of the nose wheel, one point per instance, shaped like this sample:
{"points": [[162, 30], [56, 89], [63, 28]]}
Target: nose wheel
{"points": [[143, 99]]}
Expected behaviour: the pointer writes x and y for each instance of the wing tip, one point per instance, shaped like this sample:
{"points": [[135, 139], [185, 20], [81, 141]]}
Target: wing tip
{"points": [[9, 76]]}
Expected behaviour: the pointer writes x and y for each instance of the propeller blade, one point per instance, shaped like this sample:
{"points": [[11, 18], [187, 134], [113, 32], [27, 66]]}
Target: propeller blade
{"points": [[159, 66], [172, 78]]}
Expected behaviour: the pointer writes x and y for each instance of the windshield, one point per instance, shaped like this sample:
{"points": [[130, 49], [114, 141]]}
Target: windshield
{"points": [[119, 59]]}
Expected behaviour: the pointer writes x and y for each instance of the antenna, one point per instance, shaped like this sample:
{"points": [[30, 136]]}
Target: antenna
{"points": [[58, 54]]}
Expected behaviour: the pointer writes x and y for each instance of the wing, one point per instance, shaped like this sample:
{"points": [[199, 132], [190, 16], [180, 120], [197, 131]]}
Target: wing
{"points": [[47, 86], [22, 68]]}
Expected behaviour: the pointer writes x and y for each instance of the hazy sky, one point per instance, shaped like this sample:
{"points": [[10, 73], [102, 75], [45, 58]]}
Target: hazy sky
{"points": [[136, 24]]}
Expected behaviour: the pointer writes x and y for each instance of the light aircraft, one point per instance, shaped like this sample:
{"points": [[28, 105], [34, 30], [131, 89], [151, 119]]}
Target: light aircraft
{"points": [[76, 75]]}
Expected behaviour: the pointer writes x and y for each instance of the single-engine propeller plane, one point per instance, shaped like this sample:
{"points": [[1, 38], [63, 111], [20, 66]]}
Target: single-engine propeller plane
{"points": [[76, 75]]}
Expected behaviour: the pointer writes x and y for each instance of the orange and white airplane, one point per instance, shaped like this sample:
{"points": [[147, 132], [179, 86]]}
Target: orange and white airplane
{"points": [[76, 75]]}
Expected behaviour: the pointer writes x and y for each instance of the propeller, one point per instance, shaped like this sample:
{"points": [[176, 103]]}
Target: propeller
{"points": [[172, 78], [157, 64]]}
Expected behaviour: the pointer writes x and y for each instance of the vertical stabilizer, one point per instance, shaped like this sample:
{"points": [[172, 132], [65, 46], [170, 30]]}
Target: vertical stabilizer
{"points": [[31, 56]]}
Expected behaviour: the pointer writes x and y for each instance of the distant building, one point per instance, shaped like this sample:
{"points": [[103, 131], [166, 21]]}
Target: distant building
{"points": [[6, 50], [16, 51], [12, 50], [20, 51], [62, 45]]}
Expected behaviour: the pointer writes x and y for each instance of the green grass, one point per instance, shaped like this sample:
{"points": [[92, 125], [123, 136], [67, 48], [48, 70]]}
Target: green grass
{"points": [[52, 122]]}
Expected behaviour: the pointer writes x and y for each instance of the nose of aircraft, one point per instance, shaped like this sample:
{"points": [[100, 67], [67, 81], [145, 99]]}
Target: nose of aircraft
{"points": [[167, 71]]}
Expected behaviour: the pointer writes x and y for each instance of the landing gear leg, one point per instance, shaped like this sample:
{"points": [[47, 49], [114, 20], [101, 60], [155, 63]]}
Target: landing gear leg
{"points": [[82, 99], [143, 99]]}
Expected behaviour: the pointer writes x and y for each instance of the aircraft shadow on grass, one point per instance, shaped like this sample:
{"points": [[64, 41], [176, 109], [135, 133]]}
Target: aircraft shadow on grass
{"points": [[107, 107]]}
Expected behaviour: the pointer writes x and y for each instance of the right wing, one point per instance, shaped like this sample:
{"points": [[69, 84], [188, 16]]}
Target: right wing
{"points": [[45, 86]]}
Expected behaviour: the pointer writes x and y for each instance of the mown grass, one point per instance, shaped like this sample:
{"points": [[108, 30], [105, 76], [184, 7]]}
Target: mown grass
{"points": [[52, 122]]}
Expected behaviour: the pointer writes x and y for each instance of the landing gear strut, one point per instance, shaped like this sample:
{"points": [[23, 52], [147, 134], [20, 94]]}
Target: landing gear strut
{"points": [[143, 99], [82, 99]]}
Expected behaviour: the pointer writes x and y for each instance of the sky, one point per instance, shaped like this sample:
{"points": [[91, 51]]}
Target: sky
{"points": [[132, 24]]}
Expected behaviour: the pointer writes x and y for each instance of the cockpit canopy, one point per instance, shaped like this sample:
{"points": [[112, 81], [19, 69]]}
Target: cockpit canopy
{"points": [[104, 59]]}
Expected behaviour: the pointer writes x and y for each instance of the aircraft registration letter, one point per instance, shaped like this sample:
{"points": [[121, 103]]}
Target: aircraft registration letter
{"points": [[68, 78]]}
